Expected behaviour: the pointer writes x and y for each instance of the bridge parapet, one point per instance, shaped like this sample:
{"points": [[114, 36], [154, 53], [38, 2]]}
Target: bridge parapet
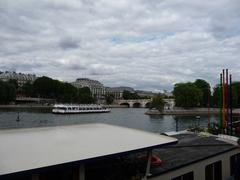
{"points": [[144, 103]]}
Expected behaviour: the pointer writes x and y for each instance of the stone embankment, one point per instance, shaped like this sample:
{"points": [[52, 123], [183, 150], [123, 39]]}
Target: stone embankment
{"points": [[40, 106], [115, 106], [26, 106], [190, 111]]}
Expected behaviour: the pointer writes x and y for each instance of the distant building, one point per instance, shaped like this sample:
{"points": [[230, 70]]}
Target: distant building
{"points": [[169, 103], [19, 77], [117, 92], [167, 94], [146, 93], [97, 88]]}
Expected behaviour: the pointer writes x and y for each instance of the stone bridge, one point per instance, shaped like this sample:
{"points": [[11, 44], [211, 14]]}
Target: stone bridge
{"points": [[135, 103], [144, 103]]}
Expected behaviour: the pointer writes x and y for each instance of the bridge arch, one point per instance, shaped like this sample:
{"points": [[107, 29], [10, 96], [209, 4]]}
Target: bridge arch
{"points": [[134, 103], [137, 105], [147, 105]]}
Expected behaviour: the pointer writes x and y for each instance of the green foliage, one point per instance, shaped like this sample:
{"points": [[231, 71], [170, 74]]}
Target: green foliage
{"points": [[206, 92], [158, 103], [187, 95], [109, 98], [7, 92], [235, 95], [85, 96], [129, 95], [14, 83], [27, 89], [216, 97], [46, 87]]}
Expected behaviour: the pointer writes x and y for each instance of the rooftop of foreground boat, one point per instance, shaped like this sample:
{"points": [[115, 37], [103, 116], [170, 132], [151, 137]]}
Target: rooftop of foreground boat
{"points": [[36, 148]]}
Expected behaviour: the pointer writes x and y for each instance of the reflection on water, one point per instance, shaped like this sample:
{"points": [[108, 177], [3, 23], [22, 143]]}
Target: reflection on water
{"points": [[129, 117]]}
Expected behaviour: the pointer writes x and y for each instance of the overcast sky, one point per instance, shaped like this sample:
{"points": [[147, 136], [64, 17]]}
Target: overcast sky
{"points": [[145, 44]]}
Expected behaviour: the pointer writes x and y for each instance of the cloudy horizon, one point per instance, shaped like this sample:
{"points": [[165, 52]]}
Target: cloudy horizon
{"points": [[149, 45]]}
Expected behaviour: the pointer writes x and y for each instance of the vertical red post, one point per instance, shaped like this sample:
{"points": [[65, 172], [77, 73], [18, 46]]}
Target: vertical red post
{"points": [[230, 105], [223, 100], [221, 103], [226, 99], [209, 91]]}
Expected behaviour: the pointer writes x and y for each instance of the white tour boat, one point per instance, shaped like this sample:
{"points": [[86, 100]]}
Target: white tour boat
{"points": [[80, 108]]}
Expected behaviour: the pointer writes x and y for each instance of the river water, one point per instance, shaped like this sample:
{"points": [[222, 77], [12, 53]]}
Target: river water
{"points": [[128, 117]]}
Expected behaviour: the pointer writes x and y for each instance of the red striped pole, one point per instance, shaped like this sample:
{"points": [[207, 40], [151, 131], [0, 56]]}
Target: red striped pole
{"points": [[230, 105], [220, 103], [209, 108], [223, 96], [227, 98]]}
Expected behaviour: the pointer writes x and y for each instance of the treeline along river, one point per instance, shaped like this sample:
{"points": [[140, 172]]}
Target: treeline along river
{"points": [[128, 117]]}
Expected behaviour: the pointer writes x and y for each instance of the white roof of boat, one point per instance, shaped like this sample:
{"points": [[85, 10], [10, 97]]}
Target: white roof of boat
{"points": [[77, 105], [33, 148]]}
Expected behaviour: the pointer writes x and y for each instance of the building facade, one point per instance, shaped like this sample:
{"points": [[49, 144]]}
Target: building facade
{"points": [[142, 93], [117, 92], [19, 77], [97, 88]]}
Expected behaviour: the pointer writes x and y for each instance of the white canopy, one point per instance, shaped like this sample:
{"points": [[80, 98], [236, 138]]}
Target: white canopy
{"points": [[32, 148]]}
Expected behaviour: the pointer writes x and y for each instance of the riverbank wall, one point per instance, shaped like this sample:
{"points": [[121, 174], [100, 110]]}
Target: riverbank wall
{"points": [[40, 106], [115, 106], [26, 106], [191, 111]]}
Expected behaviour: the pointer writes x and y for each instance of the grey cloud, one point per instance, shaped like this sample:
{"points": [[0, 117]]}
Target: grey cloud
{"points": [[144, 44], [68, 43]]}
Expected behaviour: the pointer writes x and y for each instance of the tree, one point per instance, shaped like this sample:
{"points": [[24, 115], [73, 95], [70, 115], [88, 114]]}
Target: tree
{"points": [[235, 95], [109, 98], [129, 95], [44, 87], [27, 89], [158, 103], [7, 92], [49, 88], [206, 92], [216, 96], [14, 83], [85, 96], [187, 95]]}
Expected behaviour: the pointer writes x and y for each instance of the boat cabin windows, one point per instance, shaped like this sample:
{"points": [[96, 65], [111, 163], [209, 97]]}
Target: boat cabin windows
{"points": [[62, 108], [187, 176], [235, 165], [214, 171]]}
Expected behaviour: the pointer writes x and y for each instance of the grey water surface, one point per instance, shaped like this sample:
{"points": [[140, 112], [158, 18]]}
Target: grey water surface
{"points": [[128, 117]]}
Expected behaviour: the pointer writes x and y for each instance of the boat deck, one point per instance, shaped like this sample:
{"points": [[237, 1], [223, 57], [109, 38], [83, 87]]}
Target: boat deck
{"points": [[191, 148]]}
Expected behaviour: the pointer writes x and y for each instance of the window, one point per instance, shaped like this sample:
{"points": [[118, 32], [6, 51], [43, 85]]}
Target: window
{"points": [[234, 162], [62, 108], [214, 171], [188, 176]]}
